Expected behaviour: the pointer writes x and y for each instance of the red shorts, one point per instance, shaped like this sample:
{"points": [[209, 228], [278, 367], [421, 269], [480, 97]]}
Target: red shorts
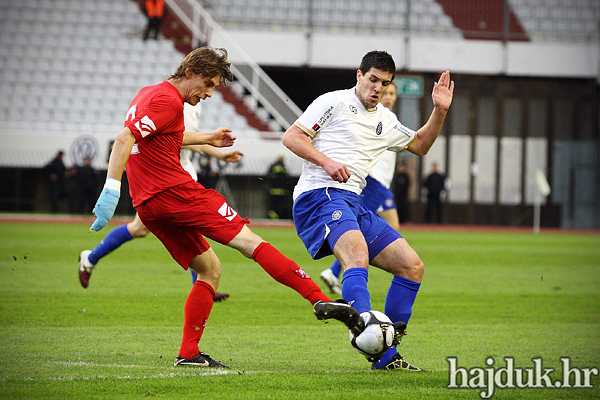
{"points": [[181, 216]]}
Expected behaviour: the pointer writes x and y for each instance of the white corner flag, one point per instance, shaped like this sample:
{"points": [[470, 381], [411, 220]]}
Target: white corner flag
{"points": [[542, 183], [543, 188]]}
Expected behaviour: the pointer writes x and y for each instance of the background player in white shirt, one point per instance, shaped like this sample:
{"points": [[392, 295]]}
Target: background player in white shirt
{"points": [[340, 136]]}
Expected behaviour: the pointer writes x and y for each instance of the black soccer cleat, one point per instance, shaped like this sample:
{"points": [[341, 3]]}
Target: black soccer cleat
{"points": [[398, 362], [341, 311], [400, 330], [220, 296], [201, 360]]}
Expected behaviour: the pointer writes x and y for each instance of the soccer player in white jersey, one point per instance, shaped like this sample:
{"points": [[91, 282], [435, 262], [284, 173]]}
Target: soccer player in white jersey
{"points": [[136, 228], [341, 136], [377, 195]]}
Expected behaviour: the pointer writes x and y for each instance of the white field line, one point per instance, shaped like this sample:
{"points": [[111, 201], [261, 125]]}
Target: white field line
{"points": [[186, 371]]}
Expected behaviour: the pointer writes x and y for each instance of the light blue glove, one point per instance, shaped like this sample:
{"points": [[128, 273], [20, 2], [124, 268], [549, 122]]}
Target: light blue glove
{"points": [[106, 204]]}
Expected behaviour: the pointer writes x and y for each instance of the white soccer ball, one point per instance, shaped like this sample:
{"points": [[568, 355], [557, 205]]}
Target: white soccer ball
{"points": [[377, 337]]}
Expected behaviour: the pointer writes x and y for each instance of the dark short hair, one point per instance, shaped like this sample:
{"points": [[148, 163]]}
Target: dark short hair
{"points": [[208, 62], [381, 60]]}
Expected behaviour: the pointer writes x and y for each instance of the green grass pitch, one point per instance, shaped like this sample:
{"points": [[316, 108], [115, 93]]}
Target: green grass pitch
{"points": [[498, 294]]}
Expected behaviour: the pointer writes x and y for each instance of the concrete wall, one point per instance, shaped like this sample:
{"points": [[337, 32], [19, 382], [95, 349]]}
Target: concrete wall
{"points": [[421, 54]]}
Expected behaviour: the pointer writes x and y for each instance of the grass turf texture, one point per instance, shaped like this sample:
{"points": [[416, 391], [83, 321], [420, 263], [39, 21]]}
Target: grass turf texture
{"points": [[484, 294]]}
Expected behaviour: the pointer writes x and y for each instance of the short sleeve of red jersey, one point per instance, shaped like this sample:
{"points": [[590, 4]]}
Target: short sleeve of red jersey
{"points": [[157, 114]]}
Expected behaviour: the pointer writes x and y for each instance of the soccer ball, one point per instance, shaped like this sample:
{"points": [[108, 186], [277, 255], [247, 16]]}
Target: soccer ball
{"points": [[377, 337]]}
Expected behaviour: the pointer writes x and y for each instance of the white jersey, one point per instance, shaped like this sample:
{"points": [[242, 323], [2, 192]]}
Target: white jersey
{"points": [[342, 129], [191, 119], [383, 171]]}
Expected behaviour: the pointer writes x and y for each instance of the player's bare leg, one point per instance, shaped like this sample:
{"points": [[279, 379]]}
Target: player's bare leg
{"points": [[391, 217], [399, 259]]}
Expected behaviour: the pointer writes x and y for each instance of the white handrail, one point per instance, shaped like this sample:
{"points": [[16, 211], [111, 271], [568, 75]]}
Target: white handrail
{"points": [[261, 87]]}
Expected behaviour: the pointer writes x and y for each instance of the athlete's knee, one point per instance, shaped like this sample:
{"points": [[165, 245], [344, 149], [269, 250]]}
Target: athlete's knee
{"points": [[358, 259], [413, 269], [137, 229], [215, 271], [246, 242], [207, 269], [140, 232], [418, 268]]}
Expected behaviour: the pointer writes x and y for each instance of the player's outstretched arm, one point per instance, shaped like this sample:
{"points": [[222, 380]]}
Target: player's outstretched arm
{"points": [[228, 156], [109, 197], [220, 137], [298, 142], [443, 91]]}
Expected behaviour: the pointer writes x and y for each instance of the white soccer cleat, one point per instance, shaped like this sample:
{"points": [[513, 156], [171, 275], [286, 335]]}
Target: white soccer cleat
{"points": [[332, 281]]}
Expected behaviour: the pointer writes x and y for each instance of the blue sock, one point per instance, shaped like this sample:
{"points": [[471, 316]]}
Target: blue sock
{"points": [[114, 239], [398, 306], [336, 268], [194, 276], [354, 289]]}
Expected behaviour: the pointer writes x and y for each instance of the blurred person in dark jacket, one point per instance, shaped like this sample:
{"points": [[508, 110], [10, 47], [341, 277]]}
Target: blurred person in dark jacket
{"points": [[435, 184], [87, 183], [280, 205], [57, 175]]}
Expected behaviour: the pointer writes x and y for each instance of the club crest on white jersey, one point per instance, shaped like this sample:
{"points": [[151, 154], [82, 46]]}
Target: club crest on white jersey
{"points": [[228, 212]]}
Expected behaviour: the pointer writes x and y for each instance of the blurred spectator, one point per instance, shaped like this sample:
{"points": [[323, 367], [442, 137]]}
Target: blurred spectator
{"points": [[401, 187], [87, 184], [155, 11], [208, 178], [57, 174], [435, 184], [280, 205]]}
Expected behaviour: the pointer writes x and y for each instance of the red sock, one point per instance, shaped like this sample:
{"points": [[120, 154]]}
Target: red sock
{"points": [[197, 309], [287, 272]]}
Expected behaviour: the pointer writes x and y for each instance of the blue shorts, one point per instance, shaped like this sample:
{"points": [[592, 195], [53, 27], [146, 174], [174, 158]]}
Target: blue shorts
{"points": [[322, 215], [377, 197]]}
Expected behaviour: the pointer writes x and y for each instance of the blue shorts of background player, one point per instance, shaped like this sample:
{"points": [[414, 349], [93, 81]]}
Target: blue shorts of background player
{"points": [[376, 197]]}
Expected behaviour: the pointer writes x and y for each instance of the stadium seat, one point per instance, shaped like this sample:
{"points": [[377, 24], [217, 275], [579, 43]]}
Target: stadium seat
{"points": [[59, 55]]}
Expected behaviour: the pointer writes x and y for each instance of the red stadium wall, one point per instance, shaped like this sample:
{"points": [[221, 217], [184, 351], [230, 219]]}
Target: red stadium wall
{"points": [[481, 19]]}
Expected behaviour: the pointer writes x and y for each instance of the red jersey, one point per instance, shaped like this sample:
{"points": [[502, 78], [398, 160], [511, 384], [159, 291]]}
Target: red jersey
{"points": [[155, 117]]}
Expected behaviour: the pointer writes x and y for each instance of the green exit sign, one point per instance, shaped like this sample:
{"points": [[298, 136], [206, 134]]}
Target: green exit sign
{"points": [[409, 86]]}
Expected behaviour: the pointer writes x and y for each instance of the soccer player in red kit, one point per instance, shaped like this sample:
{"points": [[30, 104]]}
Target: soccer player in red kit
{"points": [[177, 209]]}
